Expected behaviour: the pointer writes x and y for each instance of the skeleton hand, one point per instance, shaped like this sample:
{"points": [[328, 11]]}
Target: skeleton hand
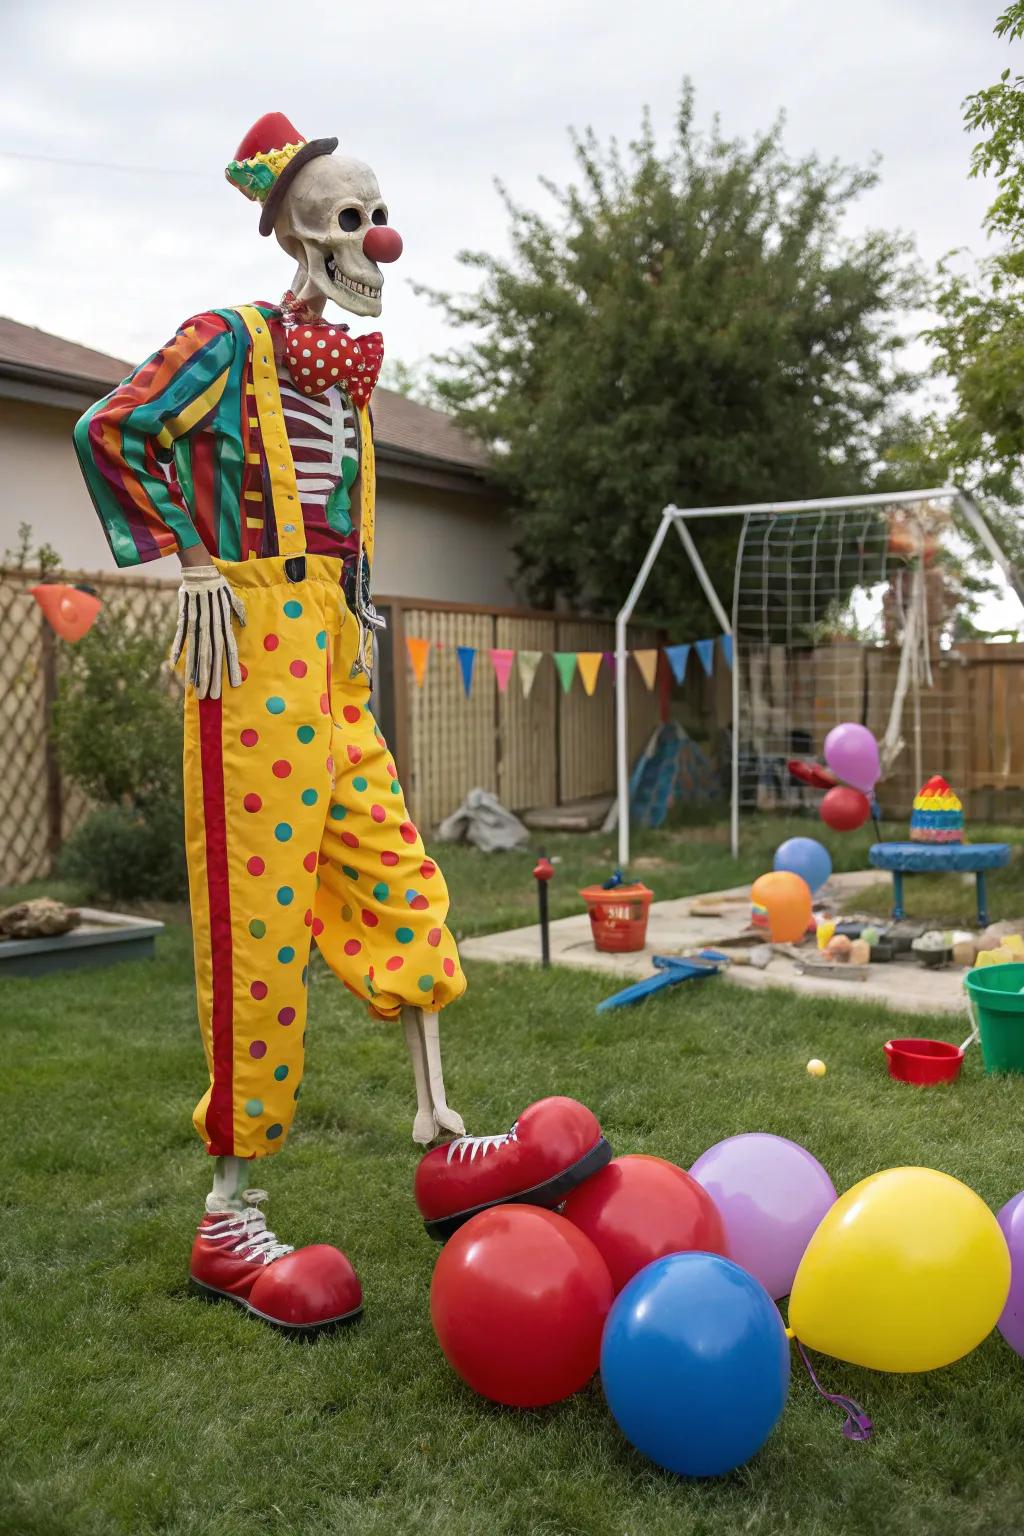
{"points": [[206, 606]]}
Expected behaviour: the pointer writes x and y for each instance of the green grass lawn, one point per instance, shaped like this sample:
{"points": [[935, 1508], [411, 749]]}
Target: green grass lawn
{"points": [[131, 1407]]}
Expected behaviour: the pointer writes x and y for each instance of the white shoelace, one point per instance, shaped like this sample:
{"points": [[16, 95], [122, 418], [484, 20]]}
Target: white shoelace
{"points": [[254, 1239], [481, 1144]]}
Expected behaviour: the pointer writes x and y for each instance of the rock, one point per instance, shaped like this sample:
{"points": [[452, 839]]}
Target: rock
{"points": [[40, 918], [995, 933]]}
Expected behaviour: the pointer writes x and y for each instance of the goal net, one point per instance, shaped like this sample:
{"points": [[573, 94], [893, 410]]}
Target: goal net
{"points": [[860, 613]]}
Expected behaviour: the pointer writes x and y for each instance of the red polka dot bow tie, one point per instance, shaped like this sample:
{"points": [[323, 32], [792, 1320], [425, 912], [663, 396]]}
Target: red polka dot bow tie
{"points": [[321, 355]]}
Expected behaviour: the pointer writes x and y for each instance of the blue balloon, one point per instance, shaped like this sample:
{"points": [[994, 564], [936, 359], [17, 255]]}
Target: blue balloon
{"points": [[695, 1364], [805, 857]]}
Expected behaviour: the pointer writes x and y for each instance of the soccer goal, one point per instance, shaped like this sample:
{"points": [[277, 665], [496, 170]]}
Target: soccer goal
{"points": [[842, 608]]}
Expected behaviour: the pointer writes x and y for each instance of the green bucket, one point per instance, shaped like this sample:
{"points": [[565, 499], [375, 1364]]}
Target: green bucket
{"points": [[998, 1005]]}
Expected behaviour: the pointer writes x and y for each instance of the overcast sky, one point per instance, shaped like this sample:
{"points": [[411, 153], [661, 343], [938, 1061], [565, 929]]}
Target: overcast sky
{"points": [[440, 98]]}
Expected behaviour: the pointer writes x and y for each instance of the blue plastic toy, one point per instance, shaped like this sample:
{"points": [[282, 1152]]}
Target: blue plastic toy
{"points": [[671, 970]]}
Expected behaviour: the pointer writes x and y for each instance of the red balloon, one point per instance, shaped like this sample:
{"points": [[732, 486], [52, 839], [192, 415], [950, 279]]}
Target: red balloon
{"points": [[844, 809], [518, 1302], [638, 1209]]}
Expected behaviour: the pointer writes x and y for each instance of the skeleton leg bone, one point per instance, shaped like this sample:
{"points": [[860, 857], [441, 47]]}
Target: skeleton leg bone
{"points": [[434, 1118]]}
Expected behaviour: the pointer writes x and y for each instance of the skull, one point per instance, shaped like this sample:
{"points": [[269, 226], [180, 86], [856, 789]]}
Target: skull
{"points": [[334, 222]]}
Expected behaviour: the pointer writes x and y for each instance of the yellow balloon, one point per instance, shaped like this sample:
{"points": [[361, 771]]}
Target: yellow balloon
{"points": [[908, 1271]]}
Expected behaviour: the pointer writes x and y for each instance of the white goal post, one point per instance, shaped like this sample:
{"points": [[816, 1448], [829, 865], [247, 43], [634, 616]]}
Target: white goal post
{"points": [[679, 518]]}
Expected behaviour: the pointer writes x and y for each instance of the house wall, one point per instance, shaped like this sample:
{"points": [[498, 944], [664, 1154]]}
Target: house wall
{"points": [[41, 484], [442, 545], [431, 543]]}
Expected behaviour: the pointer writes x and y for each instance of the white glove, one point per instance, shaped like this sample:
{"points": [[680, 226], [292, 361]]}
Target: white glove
{"points": [[206, 606]]}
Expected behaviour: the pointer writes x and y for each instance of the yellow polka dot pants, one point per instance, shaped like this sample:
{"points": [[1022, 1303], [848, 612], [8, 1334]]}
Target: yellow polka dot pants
{"points": [[296, 829]]}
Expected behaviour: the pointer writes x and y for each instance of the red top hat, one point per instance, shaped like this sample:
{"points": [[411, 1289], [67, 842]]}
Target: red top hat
{"points": [[267, 159]]}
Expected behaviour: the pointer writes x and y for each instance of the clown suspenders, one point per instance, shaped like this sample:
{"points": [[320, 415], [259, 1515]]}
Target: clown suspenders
{"points": [[284, 486]]}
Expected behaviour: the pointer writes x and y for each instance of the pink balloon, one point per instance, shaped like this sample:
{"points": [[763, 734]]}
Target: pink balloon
{"points": [[1011, 1323], [771, 1194], [852, 753]]}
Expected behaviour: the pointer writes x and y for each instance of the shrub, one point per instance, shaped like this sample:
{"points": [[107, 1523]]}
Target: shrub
{"points": [[118, 728], [122, 853]]}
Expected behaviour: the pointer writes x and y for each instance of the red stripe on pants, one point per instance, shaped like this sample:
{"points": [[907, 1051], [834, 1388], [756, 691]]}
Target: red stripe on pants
{"points": [[219, 1113]]}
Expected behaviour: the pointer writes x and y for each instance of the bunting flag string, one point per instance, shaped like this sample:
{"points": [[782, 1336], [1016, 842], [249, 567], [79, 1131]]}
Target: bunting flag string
{"points": [[529, 661], [706, 651], [589, 664], [567, 663], [677, 658], [419, 653], [647, 661], [501, 661], [467, 658]]}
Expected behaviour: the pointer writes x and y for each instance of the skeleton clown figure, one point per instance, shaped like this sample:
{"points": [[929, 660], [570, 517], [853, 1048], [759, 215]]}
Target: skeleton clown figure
{"points": [[245, 448]]}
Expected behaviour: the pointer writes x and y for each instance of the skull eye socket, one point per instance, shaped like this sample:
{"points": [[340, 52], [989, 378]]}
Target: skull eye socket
{"points": [[350, 219], [379, 216]]}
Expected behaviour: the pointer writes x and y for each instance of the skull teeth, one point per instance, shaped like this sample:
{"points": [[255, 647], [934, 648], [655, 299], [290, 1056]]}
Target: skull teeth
{"points": [[350, 283]]}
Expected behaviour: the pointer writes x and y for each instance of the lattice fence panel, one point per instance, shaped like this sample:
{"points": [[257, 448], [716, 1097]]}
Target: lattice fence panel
{"points": [[25, 837], [38, 807]]}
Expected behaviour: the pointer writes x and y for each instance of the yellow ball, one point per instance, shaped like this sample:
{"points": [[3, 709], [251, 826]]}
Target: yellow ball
{"points": [[816, 1068]]}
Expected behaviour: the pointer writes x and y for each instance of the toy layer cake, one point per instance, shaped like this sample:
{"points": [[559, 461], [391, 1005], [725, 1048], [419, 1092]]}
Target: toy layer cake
{"points": [[937, 816]]}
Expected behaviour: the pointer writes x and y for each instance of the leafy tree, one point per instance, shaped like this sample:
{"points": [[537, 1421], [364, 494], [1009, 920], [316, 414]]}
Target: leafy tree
{"points": [[998, 113], [691, 327], [979, 332]]}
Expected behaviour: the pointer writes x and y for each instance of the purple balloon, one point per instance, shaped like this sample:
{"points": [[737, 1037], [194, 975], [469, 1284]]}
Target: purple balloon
{"points": [[1011, 1323], [852, 753], [771, 1194]]}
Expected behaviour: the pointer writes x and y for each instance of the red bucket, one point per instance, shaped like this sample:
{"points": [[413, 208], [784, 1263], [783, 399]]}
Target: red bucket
{"points": [[924, 1061], [618, 917]]}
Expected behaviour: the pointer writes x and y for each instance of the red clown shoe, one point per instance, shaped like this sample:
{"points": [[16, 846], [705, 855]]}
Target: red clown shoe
{"points": [[236, 1258], [553, 1146]]}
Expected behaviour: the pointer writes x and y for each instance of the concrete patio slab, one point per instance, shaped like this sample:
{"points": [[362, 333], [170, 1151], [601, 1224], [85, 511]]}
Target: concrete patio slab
{"points": [[674, 929]]}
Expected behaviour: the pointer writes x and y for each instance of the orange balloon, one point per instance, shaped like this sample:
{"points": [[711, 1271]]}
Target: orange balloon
{"points": [[71, 612], [787, 900]]}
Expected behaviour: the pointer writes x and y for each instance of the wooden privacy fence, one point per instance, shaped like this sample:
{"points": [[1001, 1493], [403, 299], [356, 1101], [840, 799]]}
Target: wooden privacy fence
{"points": [[967, 725], [547, 749]]}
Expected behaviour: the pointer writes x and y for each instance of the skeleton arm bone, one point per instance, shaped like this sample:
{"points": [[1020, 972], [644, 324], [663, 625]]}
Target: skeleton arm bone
{"points": [[434, 1118]]}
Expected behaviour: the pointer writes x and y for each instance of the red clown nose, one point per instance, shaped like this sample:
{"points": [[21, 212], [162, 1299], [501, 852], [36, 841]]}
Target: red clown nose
{"points": [[382, 243]]}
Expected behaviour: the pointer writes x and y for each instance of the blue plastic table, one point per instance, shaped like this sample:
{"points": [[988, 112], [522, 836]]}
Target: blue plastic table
{"points": [[939, 858]]}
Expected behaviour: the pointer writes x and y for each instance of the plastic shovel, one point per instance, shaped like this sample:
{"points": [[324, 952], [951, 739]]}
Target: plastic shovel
{"points": [[672, 970]]}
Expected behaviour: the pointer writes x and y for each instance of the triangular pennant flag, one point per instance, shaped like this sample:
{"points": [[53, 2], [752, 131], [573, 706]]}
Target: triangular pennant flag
{"points": [[419, 652], [529, 661], [467, 658], [565, 661], [589, 663], [727, 650], [609, 661], [647, 661], [706, 651], [677, 659], [501, 661]]}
